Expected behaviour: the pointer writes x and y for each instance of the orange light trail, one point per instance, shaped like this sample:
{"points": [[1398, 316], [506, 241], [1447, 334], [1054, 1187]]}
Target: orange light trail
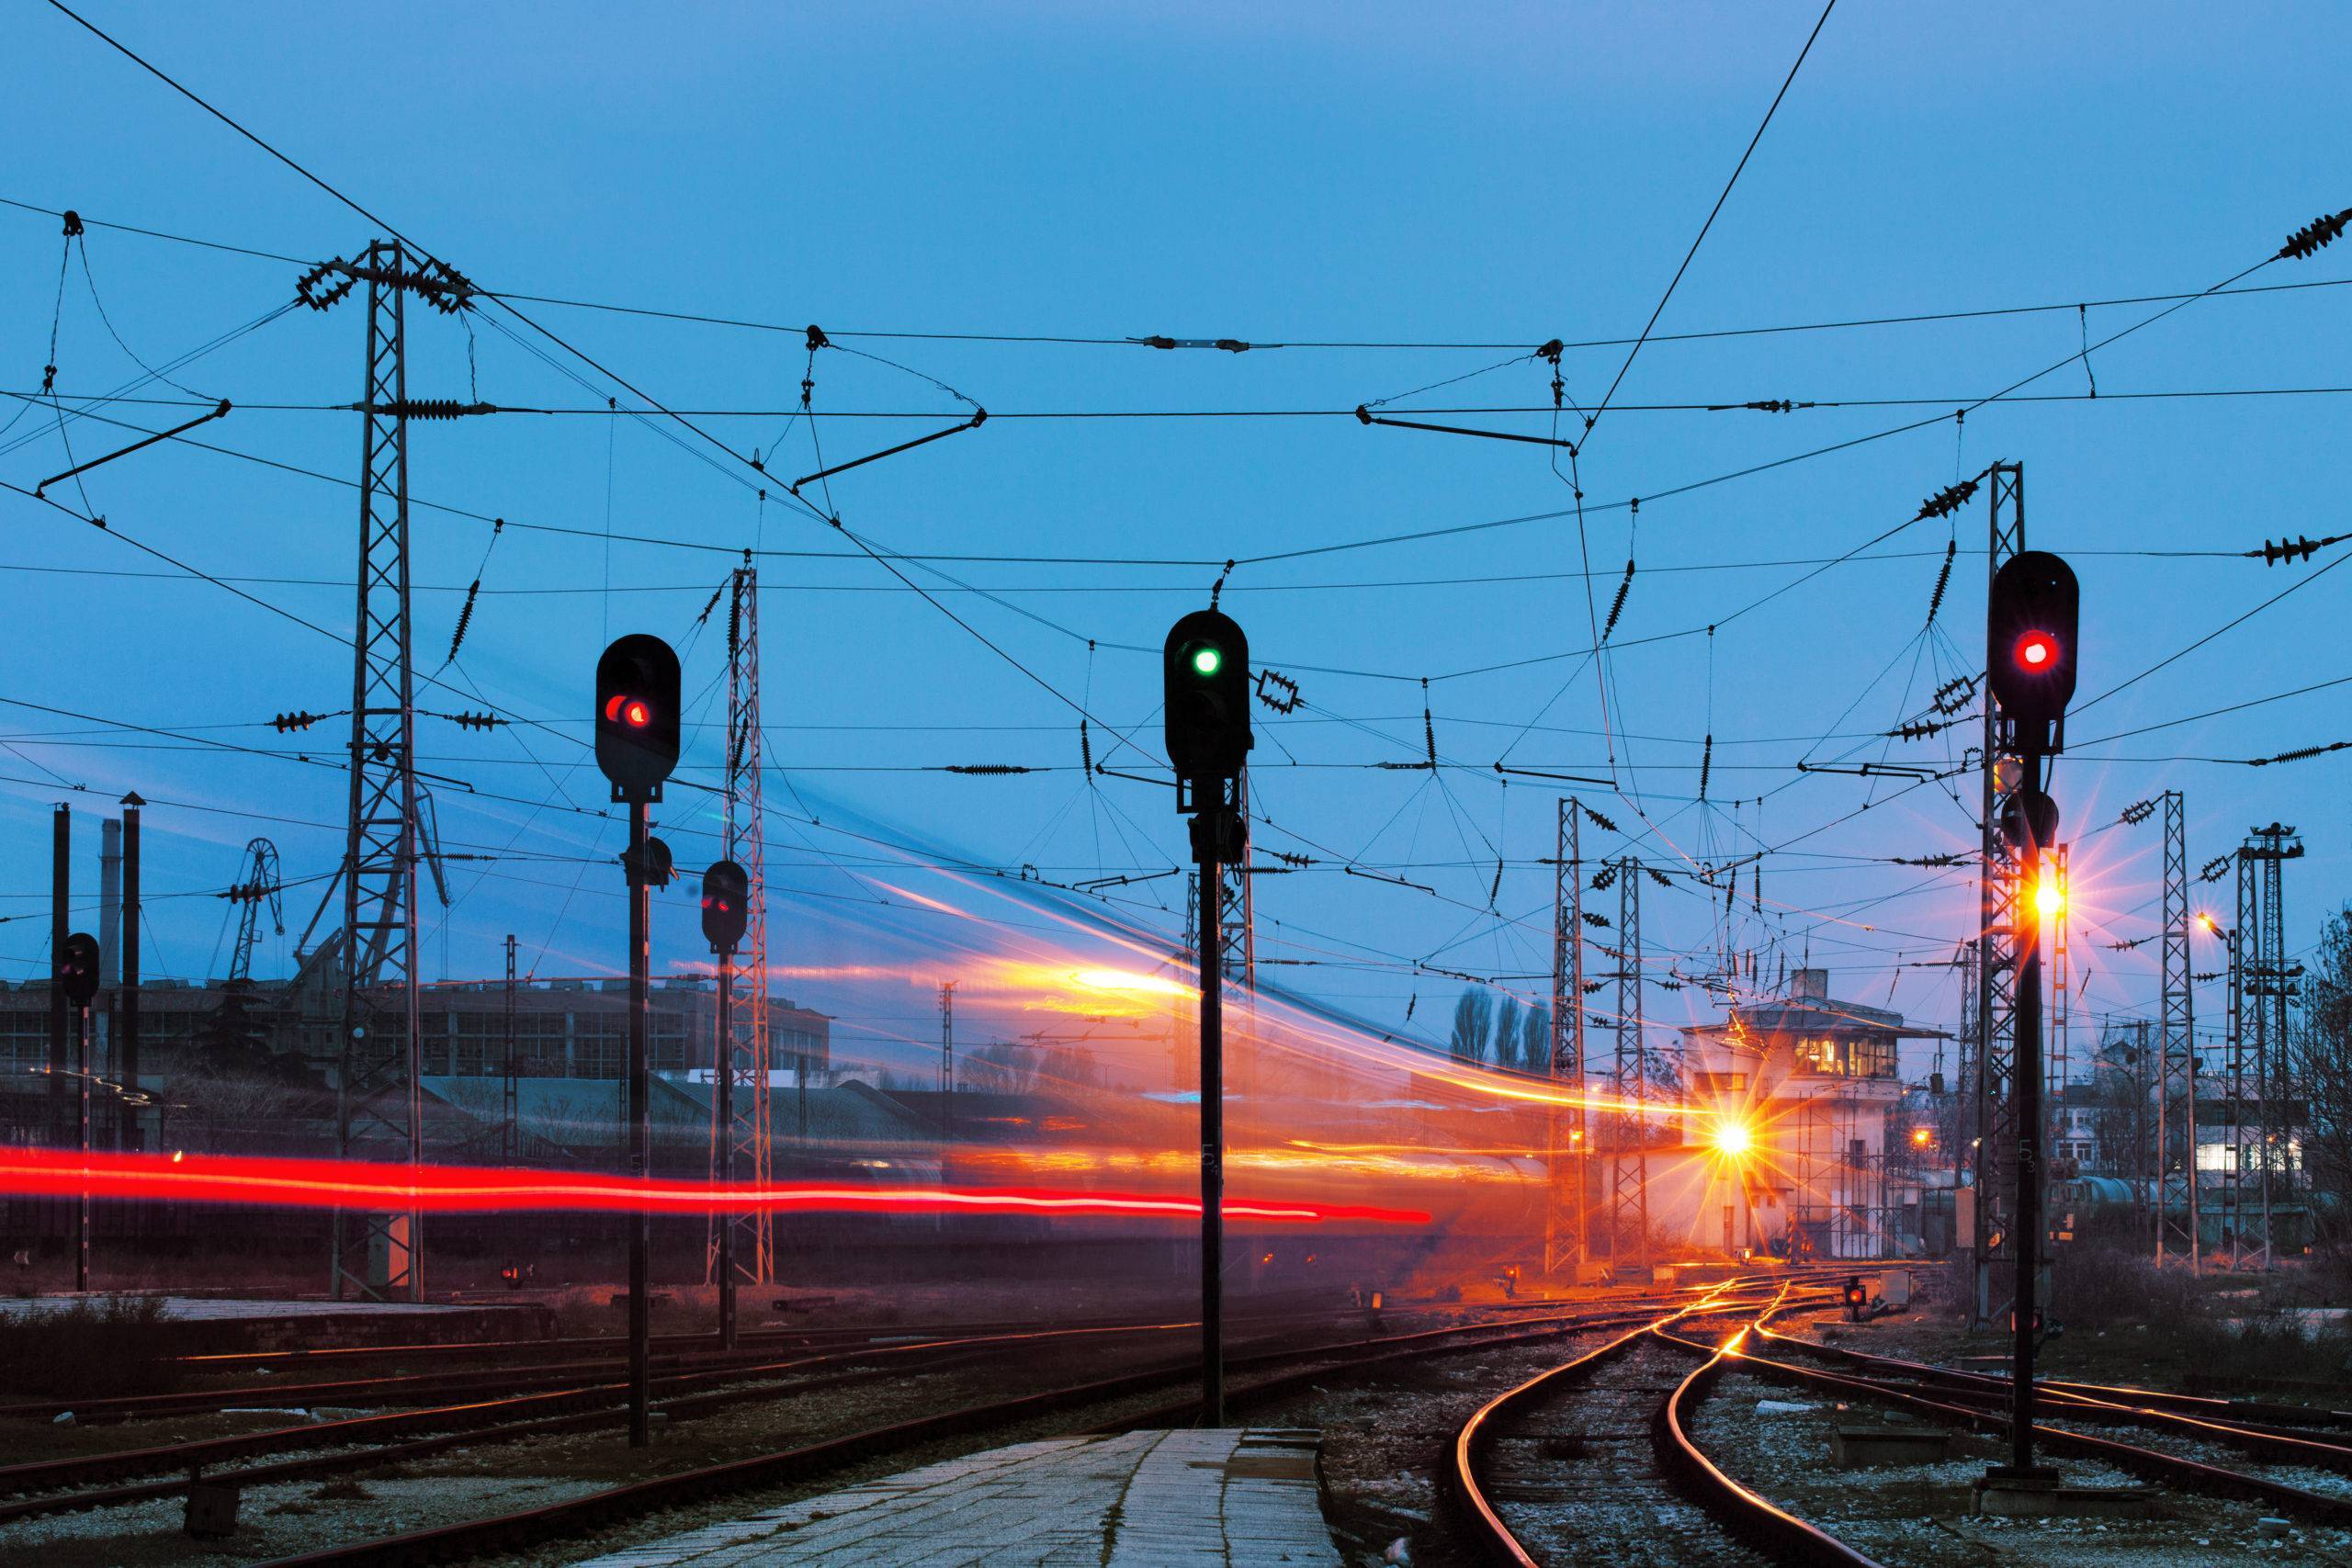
{"points": [[340, 1184]]}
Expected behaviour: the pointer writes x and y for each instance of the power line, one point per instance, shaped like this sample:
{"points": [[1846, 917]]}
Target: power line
{"points": [[1594, 417], [1916, 318]]}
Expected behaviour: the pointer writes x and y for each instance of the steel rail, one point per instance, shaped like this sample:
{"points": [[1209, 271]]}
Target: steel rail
{"points": [[2062, 1400], [2149, 1462], [1743, 1514], [1746, 1514], [532, 1527]]}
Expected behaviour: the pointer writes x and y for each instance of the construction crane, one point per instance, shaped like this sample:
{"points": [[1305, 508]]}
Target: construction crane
{"points": [[259, 886]]}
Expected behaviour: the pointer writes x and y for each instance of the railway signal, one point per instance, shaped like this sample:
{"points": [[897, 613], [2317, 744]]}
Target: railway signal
{"points": [[2030, 647], [726, 907], [725, 913], [2032, 656], [1206, 663], [1206, 668], [636, 748], [637, 716]]}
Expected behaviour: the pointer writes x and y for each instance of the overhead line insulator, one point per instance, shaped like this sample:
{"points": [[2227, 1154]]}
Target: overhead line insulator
{"points": [[1943, 581], [1283, 698], [2309, 240], [986, 769], [1617, 608], [2293, 550], [298, 719], [464, 617], [425, 408], [1947, 501]]}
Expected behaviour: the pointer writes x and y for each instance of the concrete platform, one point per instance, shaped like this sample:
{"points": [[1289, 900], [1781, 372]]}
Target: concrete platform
{"points": [[198, 1325], [1186, 1499]]}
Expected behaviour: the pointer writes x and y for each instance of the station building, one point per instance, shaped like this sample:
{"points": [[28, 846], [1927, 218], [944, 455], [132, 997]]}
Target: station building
{"points": [[1812, 1084]]}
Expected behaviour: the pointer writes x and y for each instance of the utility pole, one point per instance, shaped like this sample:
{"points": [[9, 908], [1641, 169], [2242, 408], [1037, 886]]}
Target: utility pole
{"points": [[1629, 1187], [2175, 1022], [60, 894], [946, 1071], [1206, 670], [1999, 944], [1565, 1065], [77, 982], [725, 900], [110, 954], [744, 1049], [2267, 984], [379, 1103], [126, 1045], [1236, 934], [636, 728], [510, 1121], [641, 1131], [2030, 625], [2061, 1066], [1183, 1052]]}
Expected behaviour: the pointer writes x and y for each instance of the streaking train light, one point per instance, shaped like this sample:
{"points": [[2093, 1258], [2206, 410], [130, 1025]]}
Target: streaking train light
{"points": [[442, 1189]]}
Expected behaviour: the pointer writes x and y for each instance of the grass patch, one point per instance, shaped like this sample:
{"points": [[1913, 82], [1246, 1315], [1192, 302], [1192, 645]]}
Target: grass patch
{"points": [[92, 1348]]}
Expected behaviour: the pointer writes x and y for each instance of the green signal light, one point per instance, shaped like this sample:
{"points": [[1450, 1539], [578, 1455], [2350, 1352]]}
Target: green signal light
{"points": [[1207, 660]]}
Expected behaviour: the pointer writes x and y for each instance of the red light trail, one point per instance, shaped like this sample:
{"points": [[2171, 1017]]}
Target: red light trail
{"points": [[437, 1189]]}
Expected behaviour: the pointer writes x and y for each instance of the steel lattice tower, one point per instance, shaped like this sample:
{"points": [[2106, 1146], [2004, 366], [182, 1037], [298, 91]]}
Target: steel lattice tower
{"points": [[1629, 1195], [510, 1123], [260, 888], [2266, 984], [2177, 1082], [2058, 1063], [750, 1141], [380, 1113], [1997, 955], [1184, 1044], [1237, 951], [1234, 927], [1567, 1057], [946, 1062]]}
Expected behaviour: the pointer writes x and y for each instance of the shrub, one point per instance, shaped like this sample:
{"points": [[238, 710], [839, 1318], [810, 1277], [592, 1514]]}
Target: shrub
{"points": [[90, 1349]]}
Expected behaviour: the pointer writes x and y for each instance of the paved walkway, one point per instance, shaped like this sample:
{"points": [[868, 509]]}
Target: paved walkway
{"points": [[1189, 1499]]}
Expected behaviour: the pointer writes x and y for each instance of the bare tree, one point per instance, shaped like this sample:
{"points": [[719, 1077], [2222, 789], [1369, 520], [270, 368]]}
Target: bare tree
{"points": [[1505, 1051], [1468, 1042], [2320, 1056]]}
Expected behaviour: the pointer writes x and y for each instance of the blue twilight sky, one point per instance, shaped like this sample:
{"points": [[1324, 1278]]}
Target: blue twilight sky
{"points": [[1303, 173]]}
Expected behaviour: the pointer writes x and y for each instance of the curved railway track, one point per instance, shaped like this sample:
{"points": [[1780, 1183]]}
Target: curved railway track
{"points": [[1289, 1370], [1627, 1479], [2064, 1409]]}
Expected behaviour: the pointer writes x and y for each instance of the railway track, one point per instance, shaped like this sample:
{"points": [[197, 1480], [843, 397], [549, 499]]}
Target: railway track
{"points": [[1593, 1461], [2079, 1419], [629, 1506]]}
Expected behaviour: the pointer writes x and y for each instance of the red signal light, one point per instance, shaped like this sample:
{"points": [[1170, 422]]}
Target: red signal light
{"points": [[629, 710], [2037, 652]]}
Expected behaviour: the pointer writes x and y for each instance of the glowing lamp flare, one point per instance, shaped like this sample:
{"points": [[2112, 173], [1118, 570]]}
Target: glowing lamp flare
{"points": [[629, 710], [2049, 898], [2037, 652], [1732, 1138], [1207, 659]]}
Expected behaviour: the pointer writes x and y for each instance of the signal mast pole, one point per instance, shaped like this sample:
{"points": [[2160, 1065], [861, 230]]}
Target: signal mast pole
{"points": [[1205, 664], [2032, 656], [637, 749]]}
